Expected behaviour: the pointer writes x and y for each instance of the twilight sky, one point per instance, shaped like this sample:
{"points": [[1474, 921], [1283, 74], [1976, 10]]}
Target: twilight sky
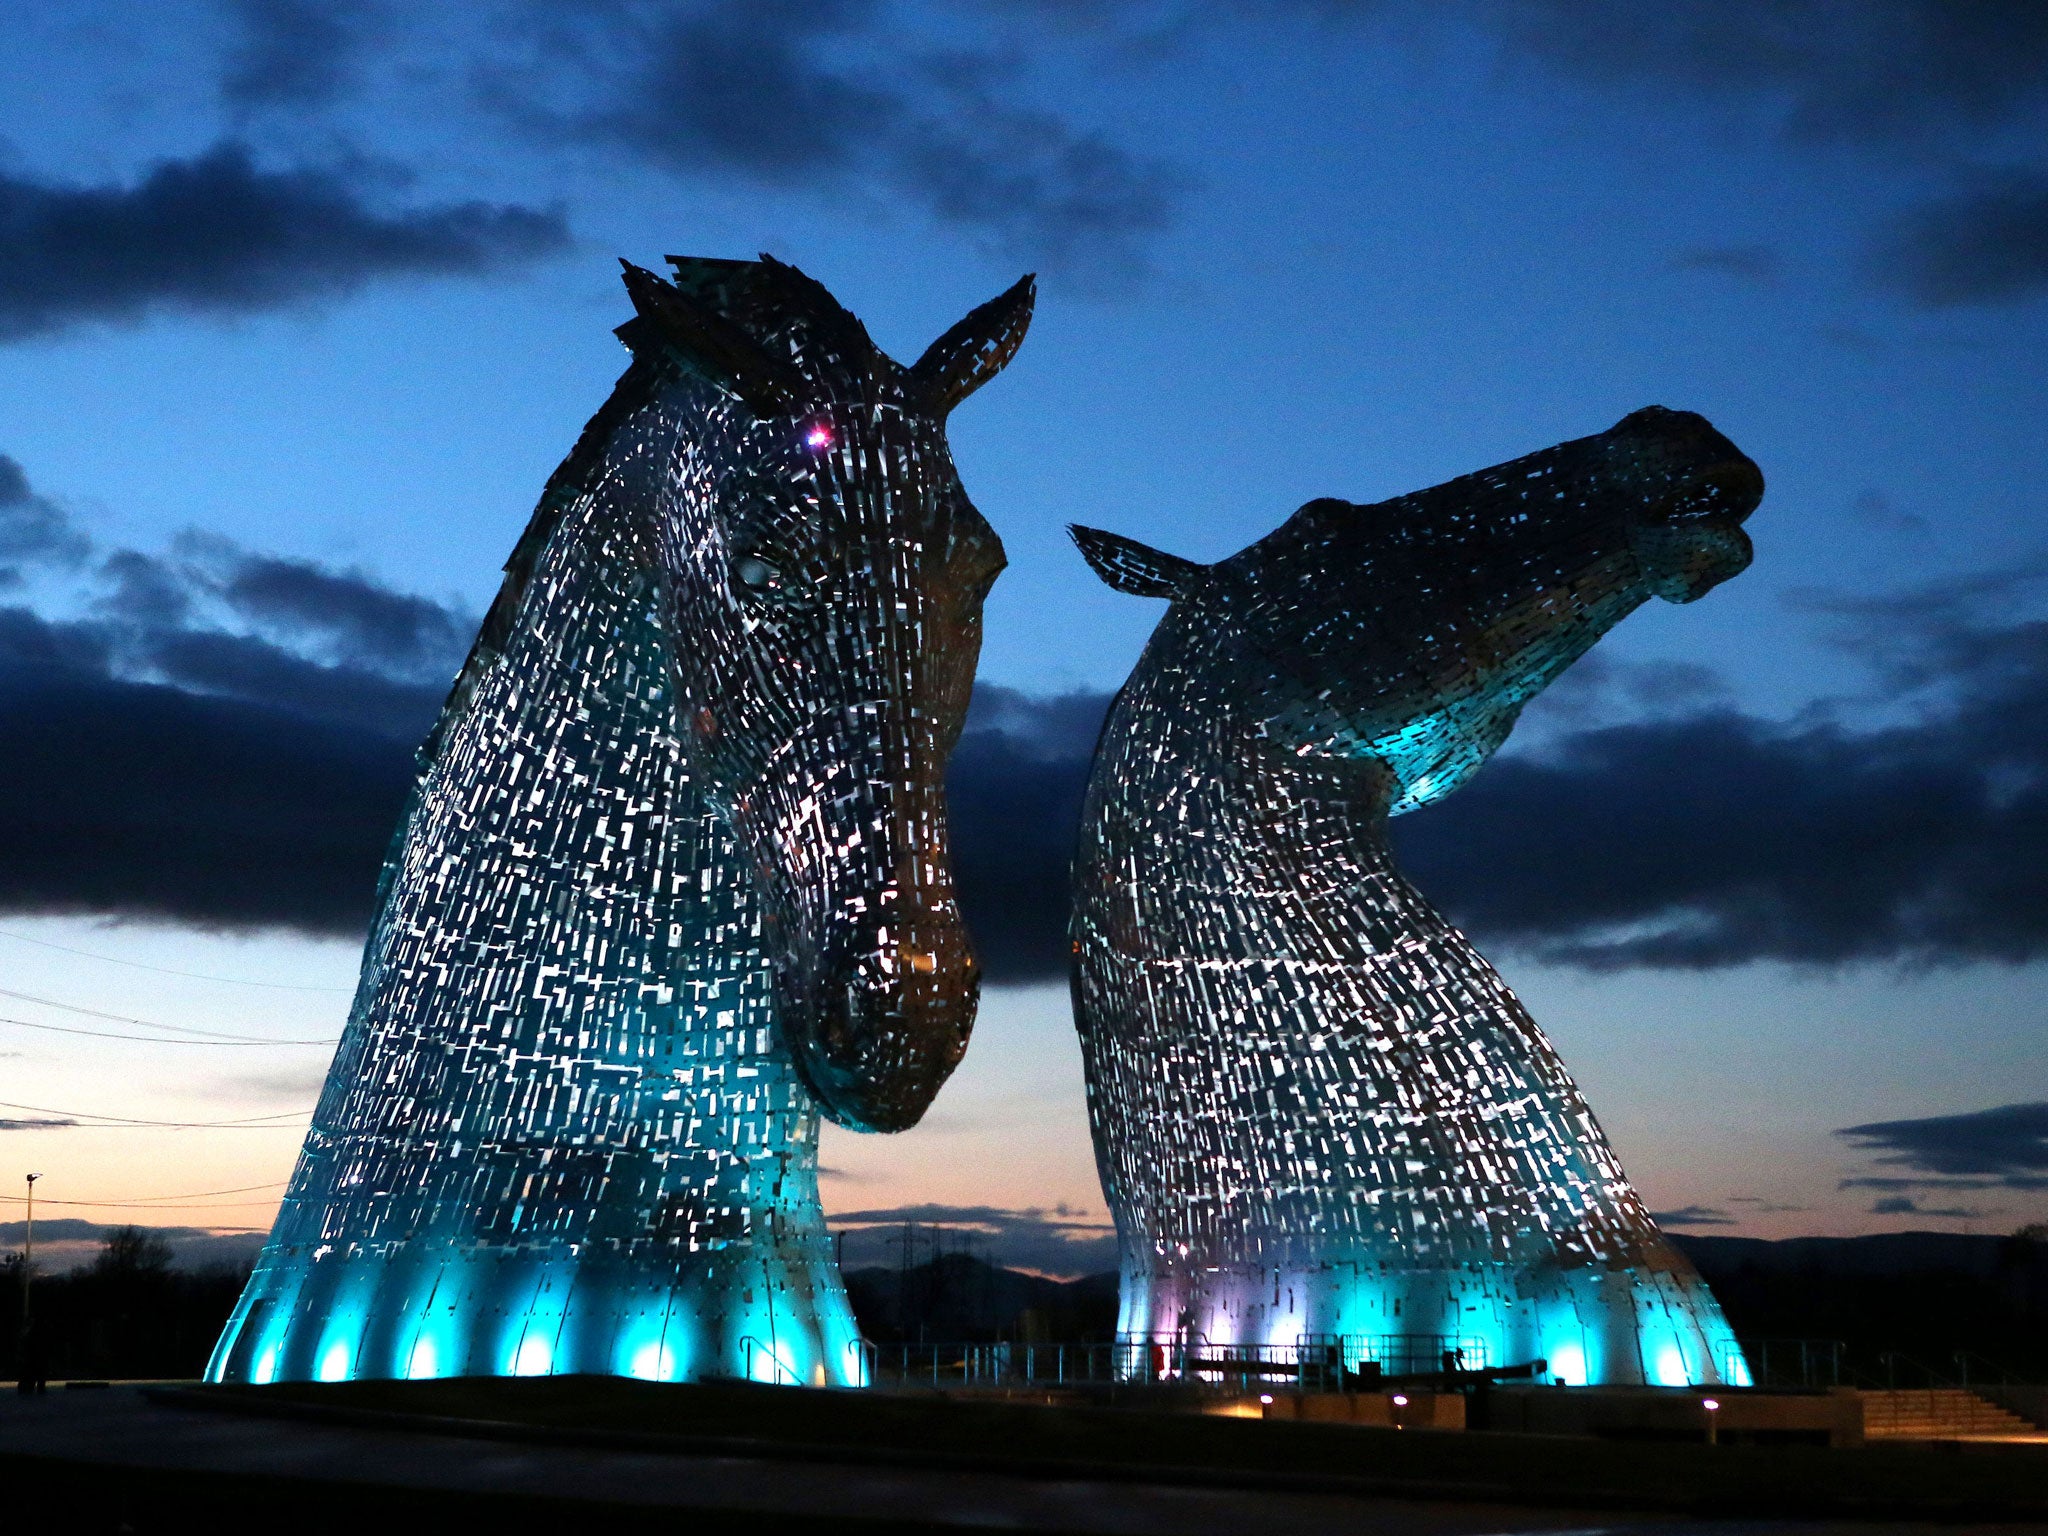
{"points": [[300, 302]]}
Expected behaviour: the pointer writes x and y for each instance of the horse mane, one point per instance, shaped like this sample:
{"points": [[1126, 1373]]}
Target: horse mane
{"points": [[569, 481], [776, 305]]}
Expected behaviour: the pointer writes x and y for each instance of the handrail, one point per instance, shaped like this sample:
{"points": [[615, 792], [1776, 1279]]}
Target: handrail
{"points": [[1963, 1357], [782, 1370], [1890, 1360], [1322, 1363], [1820, 1361]]}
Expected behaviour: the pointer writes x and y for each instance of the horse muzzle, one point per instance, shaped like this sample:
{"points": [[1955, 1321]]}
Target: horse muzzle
{"points": [[1689, 539], [890, 1018]]}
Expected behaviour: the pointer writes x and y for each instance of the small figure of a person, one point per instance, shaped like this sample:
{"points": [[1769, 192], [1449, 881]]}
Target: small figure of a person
{"points": [[29, 1369]]}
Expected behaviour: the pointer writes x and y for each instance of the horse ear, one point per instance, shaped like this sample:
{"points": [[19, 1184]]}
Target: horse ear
{"points": [[768, 384], [975, 350], [1132, 567]]}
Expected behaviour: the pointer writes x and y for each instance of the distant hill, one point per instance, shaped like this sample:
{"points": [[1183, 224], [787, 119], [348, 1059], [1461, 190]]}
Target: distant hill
{"points": [[1881, 1253], [1920, 1295], [959, 1298]]}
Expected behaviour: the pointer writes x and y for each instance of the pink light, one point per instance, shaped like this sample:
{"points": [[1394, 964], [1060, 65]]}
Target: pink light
{"points": [[1400, 1399], [1711, 1404], [819, 436], [1265, 1397]]}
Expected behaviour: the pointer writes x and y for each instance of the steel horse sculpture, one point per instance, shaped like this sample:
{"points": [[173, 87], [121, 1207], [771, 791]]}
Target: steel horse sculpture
{"points": [[674, 878], [1321, 1118]]}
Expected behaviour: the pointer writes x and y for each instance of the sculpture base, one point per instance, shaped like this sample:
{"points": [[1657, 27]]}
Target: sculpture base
{"points": [[1591, 1326], [724, 1314]]}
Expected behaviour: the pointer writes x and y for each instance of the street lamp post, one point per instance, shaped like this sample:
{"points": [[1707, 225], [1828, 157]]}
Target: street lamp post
{"points": [[28, 1250], [27, 1366]]}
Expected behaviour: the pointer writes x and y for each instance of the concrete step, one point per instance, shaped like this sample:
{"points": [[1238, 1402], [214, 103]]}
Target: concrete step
{"points": [[1934, 1415]]}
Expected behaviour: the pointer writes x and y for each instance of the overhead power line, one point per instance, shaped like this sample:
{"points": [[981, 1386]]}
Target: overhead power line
{"points": [[125, 1018], [165, 970], [276, 1121], [156, 1202], [105, 1034]]}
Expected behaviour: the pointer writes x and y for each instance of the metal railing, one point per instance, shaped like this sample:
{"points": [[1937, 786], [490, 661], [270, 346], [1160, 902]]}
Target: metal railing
{"points": [[1325, 1363], [1988, 1372], [1807, 1363], [762, 1363]]}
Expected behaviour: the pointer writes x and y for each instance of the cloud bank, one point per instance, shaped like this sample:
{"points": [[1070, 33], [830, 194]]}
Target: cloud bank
{"points": [[842, 99], [226, 740], [1937, 84], [2002, 1147], [218, 234]]}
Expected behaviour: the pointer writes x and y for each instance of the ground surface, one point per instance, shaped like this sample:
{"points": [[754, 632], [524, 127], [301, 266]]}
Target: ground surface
{"points": [[586, 1454]]}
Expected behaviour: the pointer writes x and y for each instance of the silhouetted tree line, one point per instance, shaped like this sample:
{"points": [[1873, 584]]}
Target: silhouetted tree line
{"points": [[1920, 1295], [129, 1313], [958, 1298]]}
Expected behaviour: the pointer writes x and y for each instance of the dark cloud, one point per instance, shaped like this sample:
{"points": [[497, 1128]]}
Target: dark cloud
{"points": [[1904, 1205], [149, 801], [1715, 838], [1880, 511], [831, 97], [218, 234], [33, 528], [1927, 76], [272, 677], [1756, 265], [1871, 71], [293, 53], [45, 1124], [1985, 245], [337, 644], [144, 592], [1694, 1216], [1014, 800], [2006, 1146], [347, 614], [1059, 1241], [162, 766]]}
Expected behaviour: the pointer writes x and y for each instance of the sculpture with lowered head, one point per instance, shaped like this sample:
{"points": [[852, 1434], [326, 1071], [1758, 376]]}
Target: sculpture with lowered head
{"points": [[674, 878]]}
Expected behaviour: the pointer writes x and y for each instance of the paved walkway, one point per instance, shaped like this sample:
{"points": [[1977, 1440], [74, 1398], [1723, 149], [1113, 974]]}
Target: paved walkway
{"points": [[120, 1426]]}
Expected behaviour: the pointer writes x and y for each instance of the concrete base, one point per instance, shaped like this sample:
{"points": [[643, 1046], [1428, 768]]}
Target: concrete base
{"points": [[1382, 1410], [1613, 1413], [1650, 1413]]}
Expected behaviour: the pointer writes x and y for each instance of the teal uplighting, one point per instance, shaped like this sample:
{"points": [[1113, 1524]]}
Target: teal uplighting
{"points": [[1323, 1120], [626, 950]]}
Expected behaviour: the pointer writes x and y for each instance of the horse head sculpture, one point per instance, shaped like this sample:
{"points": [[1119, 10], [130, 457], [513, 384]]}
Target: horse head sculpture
{"points": [[674, 878], [828, 570], [1411, 633], [1318, 1112]]}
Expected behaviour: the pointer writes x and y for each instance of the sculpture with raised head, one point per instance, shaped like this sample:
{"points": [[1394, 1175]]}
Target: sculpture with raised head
{"points": [[1321, 1118], [674, 878]]}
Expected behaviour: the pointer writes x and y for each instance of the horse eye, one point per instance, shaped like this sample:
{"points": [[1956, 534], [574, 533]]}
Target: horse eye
{"points": [[753, 573]]}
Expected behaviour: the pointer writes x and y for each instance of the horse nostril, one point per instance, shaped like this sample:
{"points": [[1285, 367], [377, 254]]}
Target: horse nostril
{"points": [[1724, 491]]}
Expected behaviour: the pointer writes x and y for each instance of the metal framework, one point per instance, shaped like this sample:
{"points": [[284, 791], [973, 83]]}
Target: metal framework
{"points": [[1318, 1113], [673, 878]]}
